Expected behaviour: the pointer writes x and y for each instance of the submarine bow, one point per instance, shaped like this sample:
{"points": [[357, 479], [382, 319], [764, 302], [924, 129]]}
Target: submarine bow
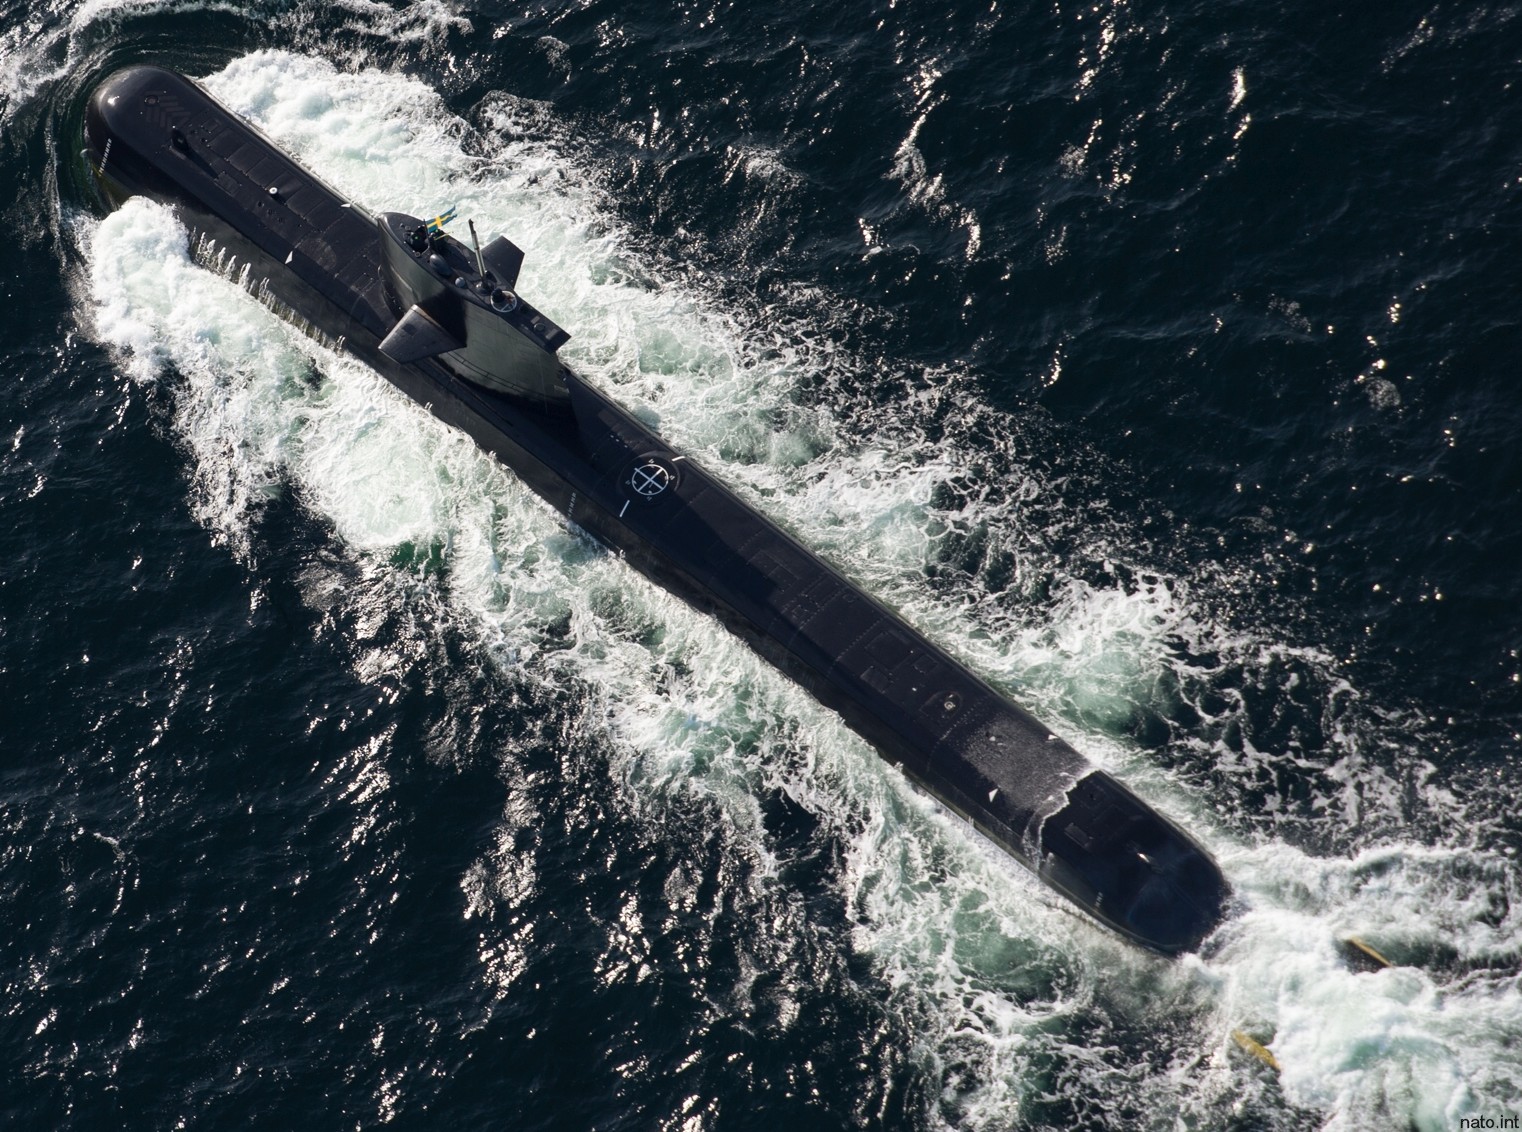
{"points": [[445, 324]]}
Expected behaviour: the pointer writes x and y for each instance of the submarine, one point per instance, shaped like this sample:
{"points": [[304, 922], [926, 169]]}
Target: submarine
{"points": [[443, 321]]}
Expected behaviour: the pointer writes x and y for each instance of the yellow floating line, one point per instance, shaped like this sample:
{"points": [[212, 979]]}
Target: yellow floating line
{"points": [[1354, 942], [1257, 1049]]}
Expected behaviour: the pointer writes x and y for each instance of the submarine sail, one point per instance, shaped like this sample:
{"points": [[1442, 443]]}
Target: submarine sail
{"points": [[445, 324]]}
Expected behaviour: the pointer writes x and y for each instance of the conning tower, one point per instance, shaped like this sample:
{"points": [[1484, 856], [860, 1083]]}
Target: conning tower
{"points": [[460, 306]]}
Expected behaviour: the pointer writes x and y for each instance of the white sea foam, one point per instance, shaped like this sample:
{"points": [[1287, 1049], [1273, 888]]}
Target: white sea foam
{"points": [[40, 50], [1006, 987]]}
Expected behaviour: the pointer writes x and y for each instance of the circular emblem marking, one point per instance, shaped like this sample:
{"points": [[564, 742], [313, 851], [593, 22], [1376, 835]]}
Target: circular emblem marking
{"points": [[649, 479]]}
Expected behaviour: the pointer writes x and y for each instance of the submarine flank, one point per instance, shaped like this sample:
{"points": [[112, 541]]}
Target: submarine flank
{"points": [[444, 323]]}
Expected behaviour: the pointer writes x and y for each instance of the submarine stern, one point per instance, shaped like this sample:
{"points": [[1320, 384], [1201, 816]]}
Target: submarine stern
{"points": [[1131, 868]]}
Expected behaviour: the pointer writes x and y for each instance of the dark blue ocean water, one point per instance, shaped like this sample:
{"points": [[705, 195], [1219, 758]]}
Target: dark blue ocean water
{"points": [[1158, 359]]}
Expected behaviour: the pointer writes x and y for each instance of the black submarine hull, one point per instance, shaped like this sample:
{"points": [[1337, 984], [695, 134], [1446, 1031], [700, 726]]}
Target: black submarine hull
{"points": [[322, 260]]}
